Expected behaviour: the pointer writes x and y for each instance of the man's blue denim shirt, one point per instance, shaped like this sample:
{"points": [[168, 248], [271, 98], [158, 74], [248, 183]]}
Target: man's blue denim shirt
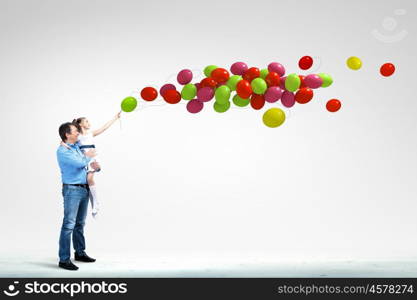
{"points": [[73, 164]]}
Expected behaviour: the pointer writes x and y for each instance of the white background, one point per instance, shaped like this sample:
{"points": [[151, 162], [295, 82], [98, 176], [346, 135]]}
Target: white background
{"points": [[321, 186]]}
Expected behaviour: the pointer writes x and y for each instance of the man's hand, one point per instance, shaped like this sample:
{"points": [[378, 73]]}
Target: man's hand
{"points": [[95, 165], [90, 153]]}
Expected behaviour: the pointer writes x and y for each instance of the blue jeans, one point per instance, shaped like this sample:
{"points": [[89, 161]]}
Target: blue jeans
{"points": [[75, 212]]}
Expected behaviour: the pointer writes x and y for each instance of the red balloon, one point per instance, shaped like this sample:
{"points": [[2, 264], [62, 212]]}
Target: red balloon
{"points": [[304, 95], [387, 69], [243, 89], [257, 101], [272, 79], [302, 84], [305, 62], [251, 74], [172, 96], [149, 93], [333, 105], [220, 75], [208, 82]]}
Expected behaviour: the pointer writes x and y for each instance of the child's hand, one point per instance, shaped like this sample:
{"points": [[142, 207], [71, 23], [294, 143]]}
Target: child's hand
{"points": [[118, 115], [90, 153]]}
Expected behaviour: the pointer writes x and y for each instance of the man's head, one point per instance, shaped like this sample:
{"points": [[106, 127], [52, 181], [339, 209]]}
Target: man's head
{"points": [[68, 133]]}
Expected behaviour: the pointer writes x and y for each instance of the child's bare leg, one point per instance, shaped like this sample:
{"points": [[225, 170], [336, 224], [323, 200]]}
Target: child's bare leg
{"points": [[93, 193]]}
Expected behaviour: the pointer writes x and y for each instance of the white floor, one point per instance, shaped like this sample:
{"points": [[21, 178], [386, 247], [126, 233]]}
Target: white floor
{"points": [[107, 266]]}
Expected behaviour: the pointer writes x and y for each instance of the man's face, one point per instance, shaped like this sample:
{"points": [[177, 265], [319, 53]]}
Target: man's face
{"points": [[73, 136]]}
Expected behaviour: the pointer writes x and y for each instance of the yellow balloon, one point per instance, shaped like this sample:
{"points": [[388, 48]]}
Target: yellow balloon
{"points": [[274, 117], [354, 63]]}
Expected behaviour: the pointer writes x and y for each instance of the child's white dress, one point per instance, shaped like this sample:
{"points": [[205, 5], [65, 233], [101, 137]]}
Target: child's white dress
{"points": [[86, 143]]}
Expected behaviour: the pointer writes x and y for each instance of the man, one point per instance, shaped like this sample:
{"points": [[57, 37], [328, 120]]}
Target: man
{"points": [[73, 164]]}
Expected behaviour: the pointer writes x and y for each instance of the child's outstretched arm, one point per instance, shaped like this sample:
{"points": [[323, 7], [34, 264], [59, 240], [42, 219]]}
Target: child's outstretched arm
{"points": [[107, 125]]}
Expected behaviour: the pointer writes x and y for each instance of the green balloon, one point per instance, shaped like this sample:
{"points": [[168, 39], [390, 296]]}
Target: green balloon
{"points": [[327, 79], [221, 108], [240, 101], [129, 104], [189, 91], [209, 69], [292, 82], [264, 72], [259, 86], [222, 94], [232, 82]]}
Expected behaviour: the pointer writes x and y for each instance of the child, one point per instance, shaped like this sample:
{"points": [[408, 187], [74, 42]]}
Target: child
{"points": [[86, 142]]}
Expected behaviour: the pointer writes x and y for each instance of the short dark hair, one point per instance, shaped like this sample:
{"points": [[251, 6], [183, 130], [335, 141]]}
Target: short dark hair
{"points": [[65, 129]]}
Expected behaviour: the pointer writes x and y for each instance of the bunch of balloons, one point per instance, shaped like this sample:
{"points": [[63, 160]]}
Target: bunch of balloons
{"points": [[243, 86]]}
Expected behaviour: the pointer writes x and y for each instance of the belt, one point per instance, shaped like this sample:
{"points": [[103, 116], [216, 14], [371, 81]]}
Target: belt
{"points": [[77, 184]]}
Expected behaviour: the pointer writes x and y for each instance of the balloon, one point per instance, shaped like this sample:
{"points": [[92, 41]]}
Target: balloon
{"points": [[292, 82], [232, 82], [197, 85], [273, 94], [313, 81], [287, 99], [273, 117], [305, 62], [282, 82], [272, 79], [172, 96], [149, 93], [277, 68], [354, 63], [208, 82], [195, 106], [220, 108], [251, 74], [258, 86], [220, 75], [189, 91], [257, 101], [205, 94], [333, 105], [209, 69], [326, 78], [263, 73], [184, 76], [238, 68], [244, 89], [222, 94], [387, 69], [304, 95], [239, 101], [302, 83], [165, 88], [129, 104]]}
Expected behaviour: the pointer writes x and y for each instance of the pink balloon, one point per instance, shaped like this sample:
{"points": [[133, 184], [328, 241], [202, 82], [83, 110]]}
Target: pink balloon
{"points": [[288, 99], [277, 68], [195, 106], [166, 87], [282, 82], [184, 76], [313, 81], [238, 68], [197, 85], [205, 94], [273, 94]]}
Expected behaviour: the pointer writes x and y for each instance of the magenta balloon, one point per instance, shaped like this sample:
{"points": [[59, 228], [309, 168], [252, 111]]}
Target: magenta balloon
{"points": [[288, 99], [238, 68], [184, 76], [166, 87], [273, 94], [313, 81], [197, 85], [195, 106], [277, 68], [205, 94], [282, 82]]}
